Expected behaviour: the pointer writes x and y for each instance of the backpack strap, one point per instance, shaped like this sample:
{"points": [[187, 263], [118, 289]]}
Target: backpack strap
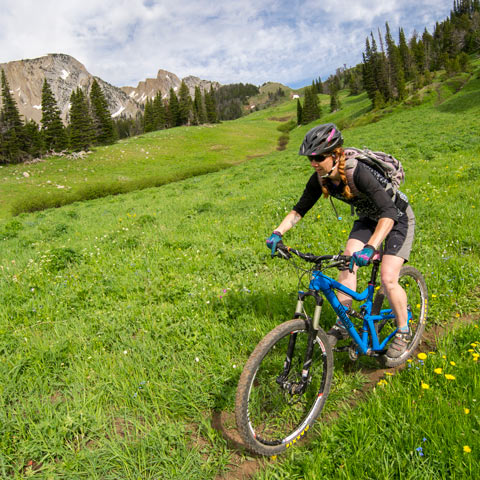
{"points": [[350, 165]]}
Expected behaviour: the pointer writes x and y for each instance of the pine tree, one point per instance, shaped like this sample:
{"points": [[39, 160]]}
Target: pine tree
{"points": [[184, 104], [299, 112], [335, 85], [148, 117], [431, 52], [354, 82], [102, 120], [311, 108], [334, 102], [53, 131], [12, 138], [159, 113], [173, 113], [34, 139], [418, 52], [368, 71], [200, 116], [397, 80], [211, 106], [405, 56], [81, 126], [307, 115], [319, 85], [381, 70]]}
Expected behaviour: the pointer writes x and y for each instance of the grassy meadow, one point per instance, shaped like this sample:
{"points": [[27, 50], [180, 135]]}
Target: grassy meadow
{"points": [[148, 160], [125, 321]]}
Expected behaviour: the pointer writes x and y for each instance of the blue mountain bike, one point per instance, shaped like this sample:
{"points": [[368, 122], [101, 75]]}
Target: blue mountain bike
{"points": [[287, 378]]}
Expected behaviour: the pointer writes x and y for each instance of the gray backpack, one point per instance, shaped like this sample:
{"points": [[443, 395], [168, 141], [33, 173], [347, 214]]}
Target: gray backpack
{"points": [[383, 163], [386, 165]]}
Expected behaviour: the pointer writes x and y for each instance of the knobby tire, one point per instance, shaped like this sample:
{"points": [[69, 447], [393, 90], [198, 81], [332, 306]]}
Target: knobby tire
{"points": [[269, 418]]}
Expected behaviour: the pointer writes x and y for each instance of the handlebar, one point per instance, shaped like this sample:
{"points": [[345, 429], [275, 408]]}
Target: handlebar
{"points": [[341, 261], [285, 252]]}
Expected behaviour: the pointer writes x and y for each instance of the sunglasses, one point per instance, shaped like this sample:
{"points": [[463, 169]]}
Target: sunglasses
{"points": [[318, 158]]}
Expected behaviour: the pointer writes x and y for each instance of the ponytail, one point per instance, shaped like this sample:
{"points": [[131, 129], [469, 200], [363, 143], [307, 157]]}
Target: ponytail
{"points": [[340, 156]]}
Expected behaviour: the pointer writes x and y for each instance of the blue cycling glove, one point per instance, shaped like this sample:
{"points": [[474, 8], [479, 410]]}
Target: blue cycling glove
{"points": [[362, 258], [273, 240]]}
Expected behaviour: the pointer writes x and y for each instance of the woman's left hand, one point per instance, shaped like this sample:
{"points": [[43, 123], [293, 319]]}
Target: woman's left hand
{"points": [[363, 257]]}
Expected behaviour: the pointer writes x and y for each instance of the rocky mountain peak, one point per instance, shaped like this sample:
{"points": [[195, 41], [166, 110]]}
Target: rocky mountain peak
{"points": [[64, 74], [163, 83]]}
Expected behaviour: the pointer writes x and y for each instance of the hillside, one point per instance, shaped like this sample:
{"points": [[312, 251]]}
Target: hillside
{"points": [[126, 320]]}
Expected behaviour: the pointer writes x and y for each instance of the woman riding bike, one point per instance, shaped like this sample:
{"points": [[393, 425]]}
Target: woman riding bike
{"points": [[383, 215]]}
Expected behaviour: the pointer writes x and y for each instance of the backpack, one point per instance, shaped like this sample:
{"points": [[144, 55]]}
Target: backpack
{"points": [[385, 164]]}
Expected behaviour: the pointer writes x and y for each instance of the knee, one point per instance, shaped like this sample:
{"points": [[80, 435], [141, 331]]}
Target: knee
{"points": [[389, 281]]}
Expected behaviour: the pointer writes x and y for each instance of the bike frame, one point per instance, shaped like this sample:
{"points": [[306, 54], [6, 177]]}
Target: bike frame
{"points": [[367, 339]]}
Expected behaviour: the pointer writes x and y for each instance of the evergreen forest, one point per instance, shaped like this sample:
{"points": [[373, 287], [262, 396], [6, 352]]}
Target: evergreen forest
{"points": [[392, 71]]}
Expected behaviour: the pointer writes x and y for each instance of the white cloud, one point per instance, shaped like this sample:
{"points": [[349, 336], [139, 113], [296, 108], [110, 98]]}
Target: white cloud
{"points": [[125, 41]]}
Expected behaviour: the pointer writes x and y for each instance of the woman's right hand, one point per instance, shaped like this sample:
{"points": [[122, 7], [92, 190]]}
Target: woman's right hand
{"points": [[273, 240]]}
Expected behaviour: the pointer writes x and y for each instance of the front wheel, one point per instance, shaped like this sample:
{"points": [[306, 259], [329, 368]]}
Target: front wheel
{"points": [[412, 281], [274, 406]]}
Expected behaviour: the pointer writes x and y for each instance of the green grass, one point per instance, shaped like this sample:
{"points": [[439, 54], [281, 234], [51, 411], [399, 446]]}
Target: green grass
{"points": [[149, 160], [125, 320]]}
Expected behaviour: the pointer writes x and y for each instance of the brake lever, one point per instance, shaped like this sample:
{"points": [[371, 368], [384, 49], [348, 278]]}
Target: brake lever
{"points": [[285, 254]]}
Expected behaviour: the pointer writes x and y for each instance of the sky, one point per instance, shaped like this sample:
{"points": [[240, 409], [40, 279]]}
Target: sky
{"points": [[228, 41]]}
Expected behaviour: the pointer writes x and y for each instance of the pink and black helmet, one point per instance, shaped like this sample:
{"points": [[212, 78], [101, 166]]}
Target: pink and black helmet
{"points": [[321, 139]]}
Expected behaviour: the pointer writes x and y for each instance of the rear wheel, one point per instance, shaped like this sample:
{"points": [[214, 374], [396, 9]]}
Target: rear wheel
{"points": [[274, 408], [413, 283]]}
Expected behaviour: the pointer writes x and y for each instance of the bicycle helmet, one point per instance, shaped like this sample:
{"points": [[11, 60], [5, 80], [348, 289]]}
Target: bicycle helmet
{"points": [[321, 139]]}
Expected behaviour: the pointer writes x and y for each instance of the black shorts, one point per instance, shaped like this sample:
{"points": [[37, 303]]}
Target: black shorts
{"points": [[399, 241]]}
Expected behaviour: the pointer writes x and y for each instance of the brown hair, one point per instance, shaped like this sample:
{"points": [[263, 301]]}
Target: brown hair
{"points": [[340, 156]]}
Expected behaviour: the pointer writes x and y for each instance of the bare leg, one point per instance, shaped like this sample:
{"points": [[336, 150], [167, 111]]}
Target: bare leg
{"points": [[345, 277], [397, 297]]}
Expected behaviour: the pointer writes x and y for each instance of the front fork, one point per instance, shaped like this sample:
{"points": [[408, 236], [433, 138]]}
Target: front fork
{"points": [[299, 387]]}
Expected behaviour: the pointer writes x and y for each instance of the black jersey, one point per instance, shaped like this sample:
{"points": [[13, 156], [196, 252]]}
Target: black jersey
{"points": [[373, 201]]}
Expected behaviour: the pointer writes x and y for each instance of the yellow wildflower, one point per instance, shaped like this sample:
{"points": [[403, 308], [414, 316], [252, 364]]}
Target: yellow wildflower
{"points": [[425, 386], [466, 410], [439, 371], [467, 449], [452, 364], [449, 377], [422, 356]]}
